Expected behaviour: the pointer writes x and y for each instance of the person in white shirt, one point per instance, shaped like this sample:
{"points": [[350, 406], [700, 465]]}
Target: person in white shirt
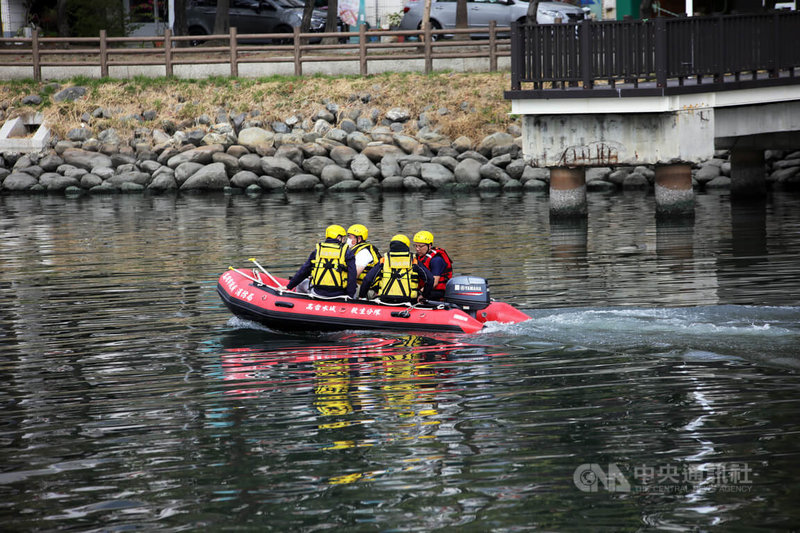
{"points": [[366, 254]]}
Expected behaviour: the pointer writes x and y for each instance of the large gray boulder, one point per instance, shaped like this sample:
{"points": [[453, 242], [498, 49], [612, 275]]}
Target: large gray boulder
{"points": [[184, 171], [535, 173], [270, 184], [363, 168], [494, 173], [707, 172], [358, 141], [163, 182], [50, 162], [211, 177], [70, 94], [256, 138], [302, 182], [436, 175], [489, 142], [333, 174], [19, 181], [85, 159], [251, 162], [279, 167], [134, 176], [315, 164], [346, 186], [392, 183], [243, 179], [377, 151], [412, 183], [201, 155], [468, 172], [635, 181], [343, 155], [390, 166], [231, 163], [90, 180], [60, 183]]}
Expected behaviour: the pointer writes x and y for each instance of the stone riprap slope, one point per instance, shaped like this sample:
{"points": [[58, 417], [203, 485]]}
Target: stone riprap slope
{"points": [[329, 151]]}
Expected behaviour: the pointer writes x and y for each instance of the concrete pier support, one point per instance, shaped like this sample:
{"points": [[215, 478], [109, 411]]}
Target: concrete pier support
{"points": [[568, 192], [674, 193], [748, 177]]}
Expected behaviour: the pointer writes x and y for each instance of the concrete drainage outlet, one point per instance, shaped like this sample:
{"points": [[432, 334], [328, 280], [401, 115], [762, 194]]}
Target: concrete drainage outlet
{"points": [[24, 134]]}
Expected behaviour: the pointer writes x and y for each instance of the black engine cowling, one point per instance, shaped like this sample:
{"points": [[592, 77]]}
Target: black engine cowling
{"points": [[468, 292]]}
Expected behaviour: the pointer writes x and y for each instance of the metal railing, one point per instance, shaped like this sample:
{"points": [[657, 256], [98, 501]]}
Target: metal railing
{"points": [[655, 56], [235, 49]]}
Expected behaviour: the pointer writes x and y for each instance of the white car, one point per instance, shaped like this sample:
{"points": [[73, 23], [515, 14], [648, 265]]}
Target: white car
{"points": [[481, 12]]}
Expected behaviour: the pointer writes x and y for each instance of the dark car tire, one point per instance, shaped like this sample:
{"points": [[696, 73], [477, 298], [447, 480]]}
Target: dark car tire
{"points": [[283, 29], [197, 30], [434, 26]]}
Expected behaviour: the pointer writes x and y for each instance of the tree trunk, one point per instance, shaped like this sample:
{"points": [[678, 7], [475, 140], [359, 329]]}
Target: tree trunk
{"points": [[462, 18], [330, 20], [222, 23], [179, 24], [533, 8], [63, 21], [305, 22]]}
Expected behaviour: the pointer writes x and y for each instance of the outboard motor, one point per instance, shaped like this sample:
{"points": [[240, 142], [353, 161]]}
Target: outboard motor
{"points": [[468, 292]]}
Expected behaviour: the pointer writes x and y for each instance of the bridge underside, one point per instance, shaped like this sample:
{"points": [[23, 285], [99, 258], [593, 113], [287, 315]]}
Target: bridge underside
{"points": [[658, 131]]}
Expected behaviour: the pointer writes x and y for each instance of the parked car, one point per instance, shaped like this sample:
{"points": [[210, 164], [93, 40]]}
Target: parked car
{"points": [[481, 12], [252, 16]]}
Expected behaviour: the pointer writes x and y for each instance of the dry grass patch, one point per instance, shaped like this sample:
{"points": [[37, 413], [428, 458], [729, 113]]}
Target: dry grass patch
{"points": [[474, 102]]}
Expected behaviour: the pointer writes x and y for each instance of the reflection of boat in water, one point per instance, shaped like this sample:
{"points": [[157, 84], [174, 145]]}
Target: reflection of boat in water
{"points": [[467, 307]]}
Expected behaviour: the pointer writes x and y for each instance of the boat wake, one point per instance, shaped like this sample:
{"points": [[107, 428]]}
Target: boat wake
{"points": [[769, 335]]}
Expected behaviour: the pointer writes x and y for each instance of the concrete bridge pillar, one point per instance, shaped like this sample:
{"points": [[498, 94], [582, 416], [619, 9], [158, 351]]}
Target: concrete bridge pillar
{"points": [[748, 177], [568, 192], [674, 193]]}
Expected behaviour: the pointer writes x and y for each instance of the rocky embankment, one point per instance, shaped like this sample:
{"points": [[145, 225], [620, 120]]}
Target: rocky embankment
{"points": [[332, 150]]}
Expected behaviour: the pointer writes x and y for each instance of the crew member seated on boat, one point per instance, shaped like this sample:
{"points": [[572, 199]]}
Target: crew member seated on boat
{"points": [[398, 277], [434, 259], [331, 266], [367, 255]]}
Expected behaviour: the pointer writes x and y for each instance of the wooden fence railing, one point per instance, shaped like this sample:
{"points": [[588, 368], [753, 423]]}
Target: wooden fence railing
{"points": [[717, 52], [236, 49]]}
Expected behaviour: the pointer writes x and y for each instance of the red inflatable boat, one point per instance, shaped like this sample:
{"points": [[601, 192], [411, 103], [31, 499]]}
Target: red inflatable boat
{"points": [[255, 295]]}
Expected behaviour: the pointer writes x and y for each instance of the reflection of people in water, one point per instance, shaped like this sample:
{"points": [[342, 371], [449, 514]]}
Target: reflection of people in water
{"points": [[390, 376]]}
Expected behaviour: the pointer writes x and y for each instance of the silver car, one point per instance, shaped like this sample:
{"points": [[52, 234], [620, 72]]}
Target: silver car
{"points": [[481, 12], [252, 16]]}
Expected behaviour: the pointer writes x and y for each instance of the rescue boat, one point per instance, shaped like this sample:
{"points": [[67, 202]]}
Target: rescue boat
{"points": [[258, 296]]}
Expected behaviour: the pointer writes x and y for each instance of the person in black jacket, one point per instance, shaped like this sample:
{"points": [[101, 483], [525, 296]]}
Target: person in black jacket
{"points": [[397, 278], [331, 267]]}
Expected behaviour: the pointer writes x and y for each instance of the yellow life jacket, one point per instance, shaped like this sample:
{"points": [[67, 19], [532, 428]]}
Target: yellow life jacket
{"points": [[329, 269], [376, 258], [398, 278]]}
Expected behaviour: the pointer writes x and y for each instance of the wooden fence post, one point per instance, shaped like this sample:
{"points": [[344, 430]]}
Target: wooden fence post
{"points": [[103, 54], [168, 52], [362, 48], [517, 57], [427, 48], [661, 51], [298, 65], [234, 54], [584, 30], [37, 62], [493, 46]]}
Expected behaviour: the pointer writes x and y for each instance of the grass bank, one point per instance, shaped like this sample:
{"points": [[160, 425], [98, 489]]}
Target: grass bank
{"points": [[470, 104]]}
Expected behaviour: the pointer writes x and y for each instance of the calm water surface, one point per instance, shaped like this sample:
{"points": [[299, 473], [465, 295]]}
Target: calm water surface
{"points": [[656, 387]]}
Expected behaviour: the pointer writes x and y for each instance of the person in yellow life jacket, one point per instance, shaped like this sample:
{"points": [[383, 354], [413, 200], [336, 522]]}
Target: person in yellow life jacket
{"points": [[398, 276], [332, 266], [434, 259], [367, 255]]}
